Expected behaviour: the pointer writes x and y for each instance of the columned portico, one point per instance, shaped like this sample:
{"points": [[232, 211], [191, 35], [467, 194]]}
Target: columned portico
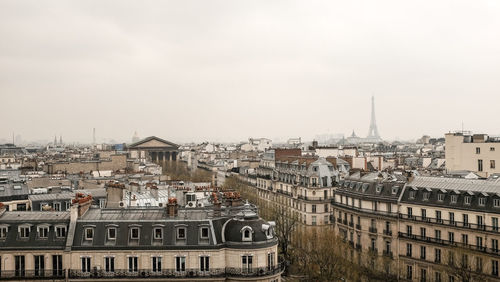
{"points": [[154, 149]]}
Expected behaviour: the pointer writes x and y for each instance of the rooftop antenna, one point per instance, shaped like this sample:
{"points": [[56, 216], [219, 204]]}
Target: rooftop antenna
{"points": [[93, 137]]}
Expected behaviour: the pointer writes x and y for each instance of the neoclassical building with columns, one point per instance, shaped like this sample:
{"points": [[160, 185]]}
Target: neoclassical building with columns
{"points": [[154, 149]]}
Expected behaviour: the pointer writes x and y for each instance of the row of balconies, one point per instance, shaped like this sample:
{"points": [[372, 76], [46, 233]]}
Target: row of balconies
{"points": [[95, 273], [481, 227], [427, 239]]}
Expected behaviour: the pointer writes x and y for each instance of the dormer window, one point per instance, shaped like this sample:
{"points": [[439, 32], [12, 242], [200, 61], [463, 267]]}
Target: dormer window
{"points": [[158, 233], [134, 233], [181, 233], [440, 197], [43, 232], [496, 203], [453, 199], [379, 188], [89, 233], [112, 233], [204, 233], [412, 194], [395, 190], [60, 231], [467, 200], [3, 232], [482, 201], [425, 196], [24, 232], [246, 233]]}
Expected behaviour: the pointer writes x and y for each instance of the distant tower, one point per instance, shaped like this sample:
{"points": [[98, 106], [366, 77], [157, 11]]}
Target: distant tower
{"points": [[135, 138], [60, 140], [93, 137], [373, 131], [55, 139]]}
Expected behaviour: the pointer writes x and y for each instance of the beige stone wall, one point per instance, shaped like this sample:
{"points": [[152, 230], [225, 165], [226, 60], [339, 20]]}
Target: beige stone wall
{"points": [[116, 162]]}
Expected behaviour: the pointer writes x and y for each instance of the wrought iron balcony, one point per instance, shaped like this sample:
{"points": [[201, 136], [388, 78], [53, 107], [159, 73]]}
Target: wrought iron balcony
{"points": [[173, 273], [43, 274], [454, 223], [372, 230], [358, 226], [388, 232]]}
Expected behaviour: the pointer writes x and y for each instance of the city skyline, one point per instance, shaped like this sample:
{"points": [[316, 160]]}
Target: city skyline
{"points": [[223, 70]]}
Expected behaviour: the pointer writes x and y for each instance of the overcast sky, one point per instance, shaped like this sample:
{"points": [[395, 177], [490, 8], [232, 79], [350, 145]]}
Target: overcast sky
{"points": [[229, 70]]}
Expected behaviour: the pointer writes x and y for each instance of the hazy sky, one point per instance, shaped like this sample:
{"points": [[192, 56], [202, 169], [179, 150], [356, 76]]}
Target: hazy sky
{"points": [[229, 70]]}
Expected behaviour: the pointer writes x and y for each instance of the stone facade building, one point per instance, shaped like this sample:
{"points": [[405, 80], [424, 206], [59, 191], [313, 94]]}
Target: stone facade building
{"points": [[87, 243]]}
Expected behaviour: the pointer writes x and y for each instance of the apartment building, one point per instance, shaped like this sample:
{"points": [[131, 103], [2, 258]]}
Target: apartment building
{"points": [[304, 185], [449, 230], [89, 243], [477, 153], [366, 214]]}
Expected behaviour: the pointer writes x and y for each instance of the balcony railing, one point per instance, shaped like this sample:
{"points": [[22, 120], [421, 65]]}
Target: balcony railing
{"points": [[450, 243], [387, 253], [372, 230], [387, 232], [351, 224], [172, 273], [454, 223], [369, 211], [358, 246], [44, 274], [358, 226]]}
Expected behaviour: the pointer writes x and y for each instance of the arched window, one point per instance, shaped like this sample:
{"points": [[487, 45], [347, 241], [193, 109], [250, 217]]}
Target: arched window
{"points": [[246, 234]]}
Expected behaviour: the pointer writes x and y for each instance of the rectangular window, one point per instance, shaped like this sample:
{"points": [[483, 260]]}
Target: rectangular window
{"points": [[467, 200], [466, 220], [494, 223], [479, 165], [465, 239], [408, 249], [39, 265], [494, 245], [482, 201], [20, 266], [181, 233], [156, 263], [424, 214], [437, 276], [24, 232], [409, 272], [57, 269], [494, 267], [409, 230], [437, 255], [478, 150], [451, 237], [204, 233], [134, 233], [204, 263], [270, 261], [440, 197], [496, 203], [112, 233], [438, 234], [452, 218], [423, 275], [60, 231], [85, 264], [180, 264], [453, 199], [109, 264], [246, 263], [492, 164], [479, 220], [492, 149], [89, 233], [479, 242], [43, 232], [158, 233], [438, 217], [132, 264], [422, 252], [57, 206], [410, 212], [313, 207], [3, 232]]}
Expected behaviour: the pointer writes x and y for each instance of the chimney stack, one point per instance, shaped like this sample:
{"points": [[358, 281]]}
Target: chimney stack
{"points": [[172, 207]]}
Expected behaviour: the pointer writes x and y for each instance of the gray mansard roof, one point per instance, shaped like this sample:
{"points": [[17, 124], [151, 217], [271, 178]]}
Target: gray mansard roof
{"points": [[426, 191], [13, 220], [379, 186]]}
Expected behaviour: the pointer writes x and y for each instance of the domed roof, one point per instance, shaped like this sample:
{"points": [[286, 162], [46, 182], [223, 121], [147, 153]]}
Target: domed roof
{"points": [[233, 229]]}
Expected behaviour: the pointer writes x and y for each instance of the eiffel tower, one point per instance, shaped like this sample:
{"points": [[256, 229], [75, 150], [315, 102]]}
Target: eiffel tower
{"points": [[373, 135]]}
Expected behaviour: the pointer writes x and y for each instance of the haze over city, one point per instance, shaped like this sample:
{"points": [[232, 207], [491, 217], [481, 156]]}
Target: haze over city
{"points": [[228, 70]]}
